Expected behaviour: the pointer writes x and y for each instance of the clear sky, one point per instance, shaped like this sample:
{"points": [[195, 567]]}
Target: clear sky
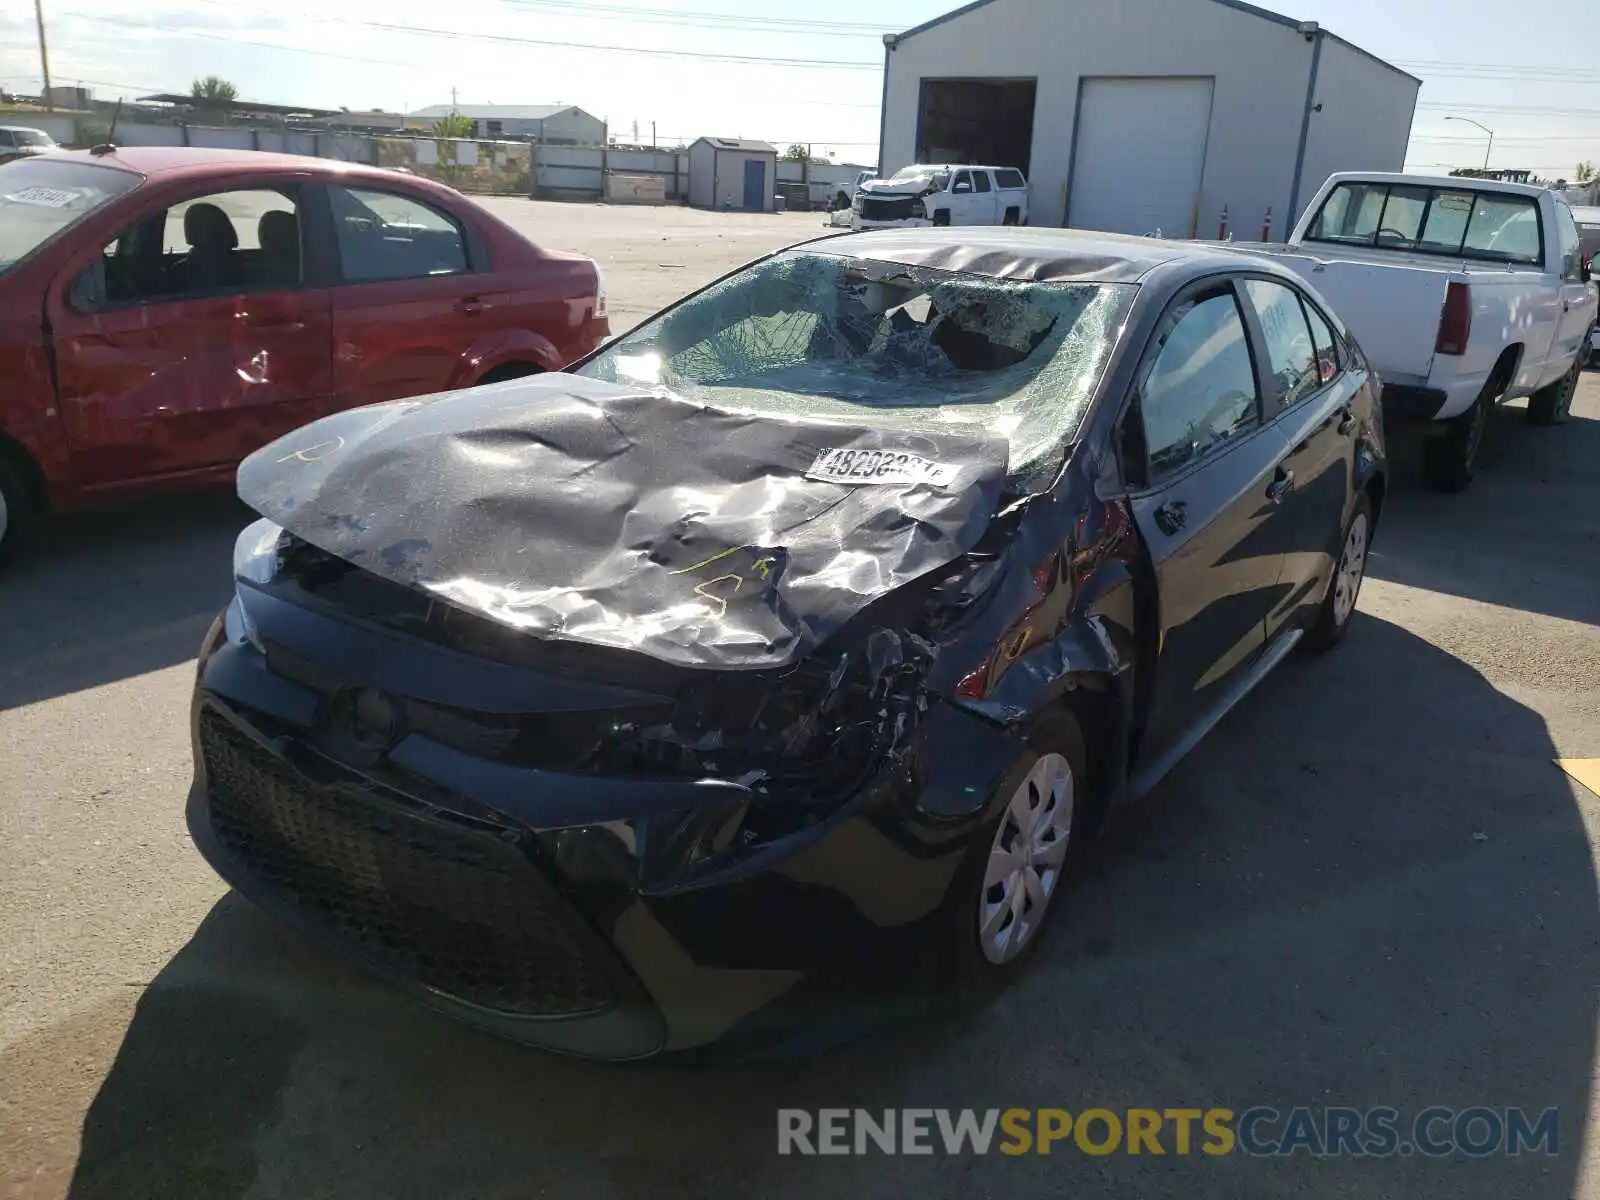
{"points": [[1530, 70]]}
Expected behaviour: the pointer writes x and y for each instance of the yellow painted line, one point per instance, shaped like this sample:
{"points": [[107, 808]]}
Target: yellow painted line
{"points": [[1585, 770]]}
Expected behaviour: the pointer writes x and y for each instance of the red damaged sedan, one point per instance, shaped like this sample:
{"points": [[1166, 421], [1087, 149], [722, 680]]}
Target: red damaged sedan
{"points": [[164, 312]]}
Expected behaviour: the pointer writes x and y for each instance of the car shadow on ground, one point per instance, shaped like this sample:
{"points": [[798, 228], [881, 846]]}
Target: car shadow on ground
{"points": [[1525, 535], [111, 593], [1403, 913]]}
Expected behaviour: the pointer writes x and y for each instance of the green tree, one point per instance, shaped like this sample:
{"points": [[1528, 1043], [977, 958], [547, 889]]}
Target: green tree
{"points": [[796, 153], [1585, 172], [449, 130], [213, 89]]}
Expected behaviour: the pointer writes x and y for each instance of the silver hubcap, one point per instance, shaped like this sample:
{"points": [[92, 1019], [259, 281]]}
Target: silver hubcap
{"points": [[1026, 859], [1352, 565]]}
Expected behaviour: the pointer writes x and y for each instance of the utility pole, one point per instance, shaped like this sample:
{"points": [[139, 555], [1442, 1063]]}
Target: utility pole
{"points": [[652, 135], [452, 102], [44, 55]]}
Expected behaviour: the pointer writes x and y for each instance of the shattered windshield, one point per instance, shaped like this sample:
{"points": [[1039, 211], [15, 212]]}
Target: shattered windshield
{"points": [[820, 336]]}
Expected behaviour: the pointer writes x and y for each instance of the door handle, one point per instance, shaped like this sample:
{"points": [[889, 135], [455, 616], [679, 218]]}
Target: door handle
{"points": [[1281, 485], [471, 305], [1170, 517], [1347, 422]]}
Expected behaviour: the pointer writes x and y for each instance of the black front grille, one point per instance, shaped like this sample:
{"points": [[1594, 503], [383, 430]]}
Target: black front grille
{"points": [[458, 909], [896, 209]]}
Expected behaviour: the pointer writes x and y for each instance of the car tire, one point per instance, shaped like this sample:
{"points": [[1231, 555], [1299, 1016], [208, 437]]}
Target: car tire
{"points": [[16, 509], [941, 217], [1048, 774], [1450, 461], [1013, 217], [1552, 405], [1344, 587]]}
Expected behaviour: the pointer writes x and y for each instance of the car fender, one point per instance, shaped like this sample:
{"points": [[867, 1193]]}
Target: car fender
{"points": [[497, 349]]}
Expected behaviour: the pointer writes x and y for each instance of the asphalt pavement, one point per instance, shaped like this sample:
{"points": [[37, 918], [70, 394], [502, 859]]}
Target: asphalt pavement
{"points": [[1372, 885]]}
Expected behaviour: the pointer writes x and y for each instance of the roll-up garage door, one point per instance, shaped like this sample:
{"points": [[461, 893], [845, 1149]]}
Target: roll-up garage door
{"points": [[1140, 155]]}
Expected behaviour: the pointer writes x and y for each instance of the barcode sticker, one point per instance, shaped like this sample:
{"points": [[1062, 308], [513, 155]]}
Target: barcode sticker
{"points": [[879, 466]]}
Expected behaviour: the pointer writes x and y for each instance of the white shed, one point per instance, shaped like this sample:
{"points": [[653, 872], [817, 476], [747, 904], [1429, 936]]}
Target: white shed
{"points": [[732, 173], [1145, 115]]}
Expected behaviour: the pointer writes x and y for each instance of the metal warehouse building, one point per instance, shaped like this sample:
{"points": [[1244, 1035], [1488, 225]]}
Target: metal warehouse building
{"points": [[732, 173], [1145, 115]]}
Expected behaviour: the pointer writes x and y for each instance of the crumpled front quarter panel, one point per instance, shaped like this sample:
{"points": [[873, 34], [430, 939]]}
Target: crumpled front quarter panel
{"points": [[629, 518]]}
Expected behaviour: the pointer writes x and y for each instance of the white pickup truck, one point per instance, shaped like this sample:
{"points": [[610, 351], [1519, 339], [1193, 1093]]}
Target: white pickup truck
{"points": [[942, 195], [1463, 293]]}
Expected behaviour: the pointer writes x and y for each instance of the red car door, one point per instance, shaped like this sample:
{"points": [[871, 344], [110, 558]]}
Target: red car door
{"points": [[412, 302], [194, 337]]}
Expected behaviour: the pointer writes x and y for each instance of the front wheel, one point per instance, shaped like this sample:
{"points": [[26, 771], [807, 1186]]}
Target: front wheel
{"points": [[1018, 860], [1552, 405], [1339, 605]]}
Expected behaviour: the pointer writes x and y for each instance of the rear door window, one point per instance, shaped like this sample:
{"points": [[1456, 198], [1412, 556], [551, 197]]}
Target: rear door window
{"points": [[384, 235], [1010, 179], [1291, 352]]}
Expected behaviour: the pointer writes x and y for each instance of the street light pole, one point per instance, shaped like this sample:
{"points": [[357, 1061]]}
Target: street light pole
{"points": [[1490, 148]]}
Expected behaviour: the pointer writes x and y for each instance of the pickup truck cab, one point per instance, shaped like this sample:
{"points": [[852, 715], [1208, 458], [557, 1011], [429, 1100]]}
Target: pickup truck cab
{"points": [[942, 195], [1464, 293], [166, 311]]}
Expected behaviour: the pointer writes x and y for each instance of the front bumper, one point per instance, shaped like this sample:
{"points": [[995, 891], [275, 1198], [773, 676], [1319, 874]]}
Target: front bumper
{"points": [[858, 223], [595, 917]]}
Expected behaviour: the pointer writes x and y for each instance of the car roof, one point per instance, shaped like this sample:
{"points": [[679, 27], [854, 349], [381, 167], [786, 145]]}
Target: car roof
{"points": [[171, 160], [22, 129], [1037, 255]]}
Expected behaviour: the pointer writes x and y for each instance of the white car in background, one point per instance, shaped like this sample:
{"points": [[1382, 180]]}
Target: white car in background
{"points": [[946, 194]]}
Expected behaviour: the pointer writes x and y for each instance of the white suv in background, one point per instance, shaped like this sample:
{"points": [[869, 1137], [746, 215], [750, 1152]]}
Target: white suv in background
{"points": [[947, 194]]}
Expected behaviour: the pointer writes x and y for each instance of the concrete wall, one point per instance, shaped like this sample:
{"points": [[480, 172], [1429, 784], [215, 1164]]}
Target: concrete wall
{"points": [[1364, 125], [1262, 70]]}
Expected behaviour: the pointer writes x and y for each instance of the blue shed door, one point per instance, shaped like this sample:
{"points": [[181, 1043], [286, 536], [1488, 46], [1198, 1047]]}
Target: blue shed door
{"points": [[755, 184]]}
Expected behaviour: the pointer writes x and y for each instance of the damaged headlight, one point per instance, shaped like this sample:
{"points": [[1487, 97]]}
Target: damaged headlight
{"points": [[257, 556]]}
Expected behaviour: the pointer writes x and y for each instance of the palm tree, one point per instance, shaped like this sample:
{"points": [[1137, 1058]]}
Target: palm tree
{"points": [[454, 126], [213, 90]]}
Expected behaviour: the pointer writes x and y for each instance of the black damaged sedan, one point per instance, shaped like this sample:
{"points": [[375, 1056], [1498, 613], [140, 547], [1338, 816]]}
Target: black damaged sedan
{"points": [[799, 635]]}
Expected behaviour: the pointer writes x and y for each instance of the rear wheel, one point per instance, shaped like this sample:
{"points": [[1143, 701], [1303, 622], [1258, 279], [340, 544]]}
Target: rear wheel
{"points": [[1013, 217], [1450, 461], [1339, 605], [941, 217], [1552, 405], [512, 370]]}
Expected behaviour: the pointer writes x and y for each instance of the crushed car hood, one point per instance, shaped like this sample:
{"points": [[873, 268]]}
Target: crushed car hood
{"points": [[585, 511]]}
